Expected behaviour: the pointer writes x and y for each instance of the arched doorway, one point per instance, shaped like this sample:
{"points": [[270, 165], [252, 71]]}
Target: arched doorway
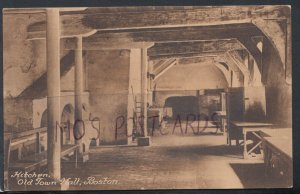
{"points": [[67, 123], [44, 119]]}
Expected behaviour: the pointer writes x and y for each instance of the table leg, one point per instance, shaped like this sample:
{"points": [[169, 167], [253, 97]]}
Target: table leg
{"points": [[228, 138]]}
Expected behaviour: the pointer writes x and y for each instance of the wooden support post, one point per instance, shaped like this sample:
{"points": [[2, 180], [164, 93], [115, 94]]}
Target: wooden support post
{"points": [[145, 140], [144, 89], [53, 89], [223, 109], [150, 83], [78, 92]]}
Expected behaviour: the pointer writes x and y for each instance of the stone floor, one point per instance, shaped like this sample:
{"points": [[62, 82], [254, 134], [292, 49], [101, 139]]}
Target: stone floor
{"points": [[171, 162]]}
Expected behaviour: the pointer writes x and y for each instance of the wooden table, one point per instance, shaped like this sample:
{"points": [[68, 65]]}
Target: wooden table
{"points": [[253, 128], [277, 143], [276, 132]]}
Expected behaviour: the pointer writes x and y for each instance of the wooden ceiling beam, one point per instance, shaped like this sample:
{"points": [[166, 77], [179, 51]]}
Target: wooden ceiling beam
{"points": [[70, 44], [174, 49], [179, 34], [188, 55], [185, 36], [195, 60], [93, 18]]}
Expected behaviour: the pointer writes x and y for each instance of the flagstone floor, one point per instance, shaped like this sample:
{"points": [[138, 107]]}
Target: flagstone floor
{"points": [[171, 162]]}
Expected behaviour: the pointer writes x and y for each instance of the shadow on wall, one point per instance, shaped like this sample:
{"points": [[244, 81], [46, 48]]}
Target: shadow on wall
{"points": [[113, 125], [182, 105], [255, 113], [278, 92], [279, 105]]}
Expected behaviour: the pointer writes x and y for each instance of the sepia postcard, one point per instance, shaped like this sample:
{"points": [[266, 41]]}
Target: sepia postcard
{"points": [[147, 97]]}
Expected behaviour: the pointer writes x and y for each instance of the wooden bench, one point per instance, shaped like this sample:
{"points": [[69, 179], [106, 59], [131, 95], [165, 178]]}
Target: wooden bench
{"points": [[39, 158], [26, 138]]}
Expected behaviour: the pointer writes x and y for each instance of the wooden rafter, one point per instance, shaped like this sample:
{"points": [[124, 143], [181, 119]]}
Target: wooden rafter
{"points": [[164, 68]]}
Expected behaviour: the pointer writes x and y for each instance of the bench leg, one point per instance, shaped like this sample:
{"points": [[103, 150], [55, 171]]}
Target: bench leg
{"points": [[6, 182], [76, 158], [19, 153], [245, 146], [228, 138]]}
